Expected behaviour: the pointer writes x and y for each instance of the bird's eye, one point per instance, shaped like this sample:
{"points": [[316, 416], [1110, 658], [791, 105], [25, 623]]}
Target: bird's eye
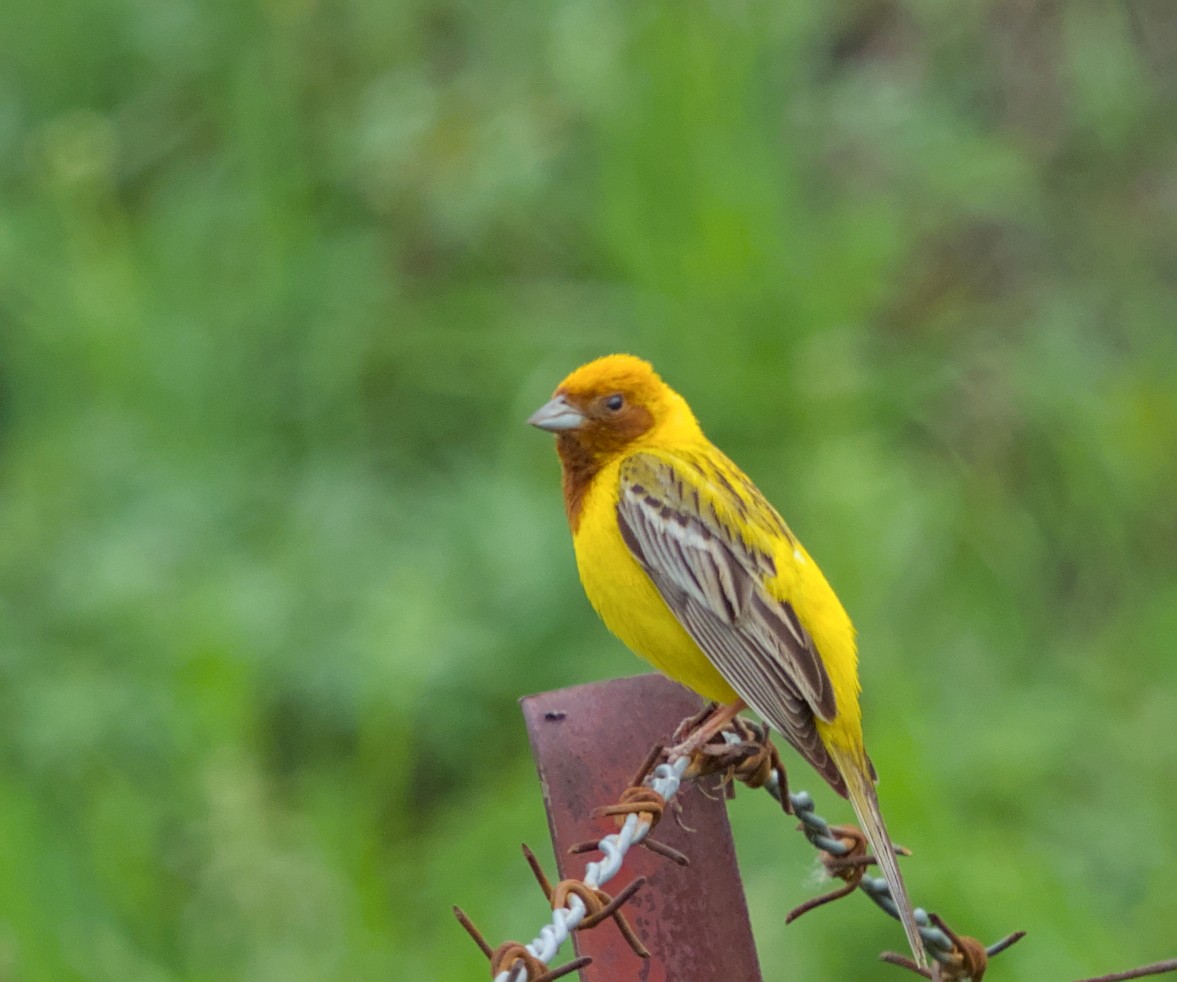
{"points": [[614, 402]]}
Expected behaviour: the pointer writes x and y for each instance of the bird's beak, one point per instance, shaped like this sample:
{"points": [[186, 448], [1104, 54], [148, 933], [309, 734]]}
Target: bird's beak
{"points": [[557, 416]]}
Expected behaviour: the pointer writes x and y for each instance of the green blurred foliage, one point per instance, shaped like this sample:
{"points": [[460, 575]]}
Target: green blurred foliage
{"points": [[279, 283]]}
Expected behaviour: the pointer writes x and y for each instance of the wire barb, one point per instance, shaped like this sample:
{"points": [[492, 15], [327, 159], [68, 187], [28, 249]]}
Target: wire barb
{"points": [[512, 957], [598, 905], [963, 959]]}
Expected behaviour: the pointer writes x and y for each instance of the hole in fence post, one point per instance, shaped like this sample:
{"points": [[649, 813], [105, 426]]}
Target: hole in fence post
{"points": [[587, 742]]}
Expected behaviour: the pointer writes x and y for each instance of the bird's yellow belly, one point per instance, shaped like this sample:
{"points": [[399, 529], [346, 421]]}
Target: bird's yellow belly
{"points": [[631, 606]]}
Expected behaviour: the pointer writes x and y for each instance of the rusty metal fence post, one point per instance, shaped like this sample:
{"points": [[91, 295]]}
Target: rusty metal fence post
{"points": [[587, 742]]}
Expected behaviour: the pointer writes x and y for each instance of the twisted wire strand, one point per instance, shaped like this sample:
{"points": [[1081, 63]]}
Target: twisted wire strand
{"points": [[666, 779]]}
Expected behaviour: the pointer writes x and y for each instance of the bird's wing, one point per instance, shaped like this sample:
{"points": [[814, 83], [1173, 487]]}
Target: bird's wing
{"points": [[704, 537]]}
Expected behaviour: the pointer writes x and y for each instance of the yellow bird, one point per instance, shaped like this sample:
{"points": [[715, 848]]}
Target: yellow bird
{"points": [[688, 564]]}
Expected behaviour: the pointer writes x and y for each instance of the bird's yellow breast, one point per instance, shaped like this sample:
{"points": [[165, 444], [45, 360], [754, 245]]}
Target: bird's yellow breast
{"points": [[627, 600], [633, 609]]}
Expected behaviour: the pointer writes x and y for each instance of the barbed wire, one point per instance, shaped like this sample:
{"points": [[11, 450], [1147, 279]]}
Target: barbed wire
{"points": [[744, 752]]}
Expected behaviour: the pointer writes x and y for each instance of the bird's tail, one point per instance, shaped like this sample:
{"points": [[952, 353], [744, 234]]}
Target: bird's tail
{"points": [[861, 789]]}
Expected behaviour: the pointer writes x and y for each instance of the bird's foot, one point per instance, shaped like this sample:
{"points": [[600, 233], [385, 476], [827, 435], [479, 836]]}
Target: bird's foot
{"points": [[702, 730]]}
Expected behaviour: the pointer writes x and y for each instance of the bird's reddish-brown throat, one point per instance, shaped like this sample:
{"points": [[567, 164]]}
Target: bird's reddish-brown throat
{"points": [[592, 427]]}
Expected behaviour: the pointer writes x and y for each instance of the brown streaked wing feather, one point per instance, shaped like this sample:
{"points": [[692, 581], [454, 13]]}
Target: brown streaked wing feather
{"points": [[712, 581]]}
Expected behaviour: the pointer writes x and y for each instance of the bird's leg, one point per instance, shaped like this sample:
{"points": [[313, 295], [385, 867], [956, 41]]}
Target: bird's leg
{"points": [[718, 719]]}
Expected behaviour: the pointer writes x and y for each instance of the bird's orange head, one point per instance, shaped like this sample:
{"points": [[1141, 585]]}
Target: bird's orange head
{"points": [[609, 407]]}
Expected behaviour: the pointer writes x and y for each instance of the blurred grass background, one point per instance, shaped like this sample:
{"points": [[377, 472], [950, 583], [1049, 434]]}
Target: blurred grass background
{"points": [[279, 283]]}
